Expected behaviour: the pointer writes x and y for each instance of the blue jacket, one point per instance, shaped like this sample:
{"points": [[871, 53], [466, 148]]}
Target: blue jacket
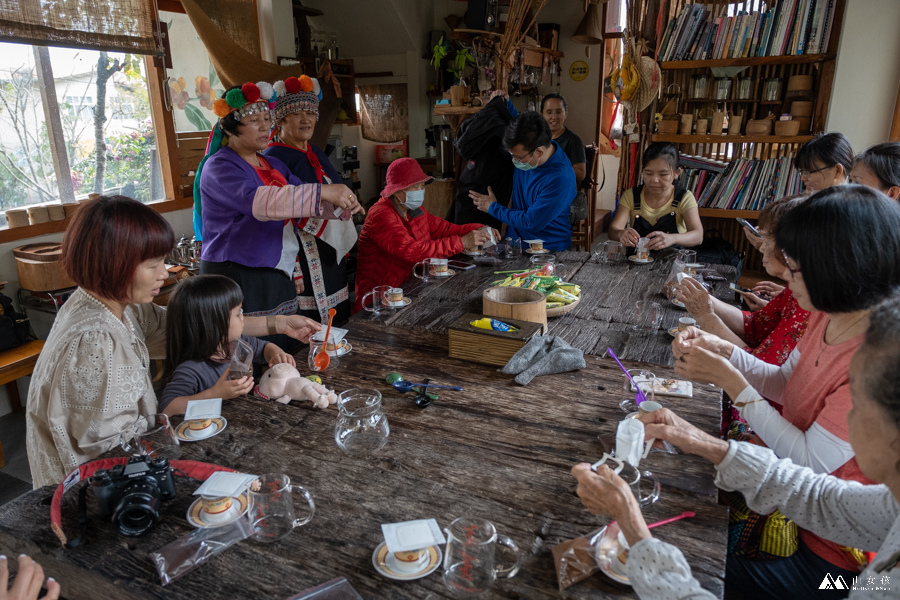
{"points": [[540, 204]]}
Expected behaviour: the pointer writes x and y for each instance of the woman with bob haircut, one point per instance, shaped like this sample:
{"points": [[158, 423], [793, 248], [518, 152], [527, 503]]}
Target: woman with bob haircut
{"points": [[824, 161], [92, 379], [840, 251], [865, 516], [879, 168]]}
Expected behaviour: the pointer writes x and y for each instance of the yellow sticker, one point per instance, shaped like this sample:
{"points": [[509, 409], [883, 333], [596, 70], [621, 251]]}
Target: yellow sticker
{"points": [[578, 71]]}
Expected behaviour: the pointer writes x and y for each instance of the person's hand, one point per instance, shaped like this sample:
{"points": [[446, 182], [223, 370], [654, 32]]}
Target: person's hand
{"points": [[659, 240], [298, 286], [227, 389], [282, 357], [753, 301], [663, 424], [482, 201], [503, 93], [694, 297], [754, 239], [474, 238], [695, 338], [630, 237], [603, 492], [700, 365], [28, 582], [496, 233], [342, 197], [768, 288], [298, 327]]}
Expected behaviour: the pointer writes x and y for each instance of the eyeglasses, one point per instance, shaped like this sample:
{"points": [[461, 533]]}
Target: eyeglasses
{"points": [[787, 263], [805, 173], [516, 159]]}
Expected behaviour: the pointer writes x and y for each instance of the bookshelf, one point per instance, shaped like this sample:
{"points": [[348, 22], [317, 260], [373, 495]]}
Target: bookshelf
{"points": [[799, 51]]}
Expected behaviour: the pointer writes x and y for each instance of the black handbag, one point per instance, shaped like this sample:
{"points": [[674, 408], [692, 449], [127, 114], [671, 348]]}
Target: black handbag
{"points": [[14, 327], [578, 211]]}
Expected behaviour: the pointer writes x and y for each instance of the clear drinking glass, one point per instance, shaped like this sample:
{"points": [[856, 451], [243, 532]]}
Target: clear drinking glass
{"points": [[241, 361], [469, 568], [272, 507], [153, 436], [548, 266], [647, 316], [317, 347], [362, 427]]}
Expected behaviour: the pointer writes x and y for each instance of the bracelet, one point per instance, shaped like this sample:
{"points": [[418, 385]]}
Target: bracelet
{"points": [[270, 324], [743, 404]]}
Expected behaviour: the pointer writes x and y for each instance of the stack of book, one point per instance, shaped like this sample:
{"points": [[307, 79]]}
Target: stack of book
{"points": [[745, 184], [789, 27]]}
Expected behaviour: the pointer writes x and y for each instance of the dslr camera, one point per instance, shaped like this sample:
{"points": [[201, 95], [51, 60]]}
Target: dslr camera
{"points": [[131, 493]]}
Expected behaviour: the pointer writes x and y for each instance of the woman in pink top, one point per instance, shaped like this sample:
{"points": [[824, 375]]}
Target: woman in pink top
{"points": [[840, 250]]}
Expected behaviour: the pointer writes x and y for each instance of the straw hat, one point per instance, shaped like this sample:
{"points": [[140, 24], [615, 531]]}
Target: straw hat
{"points": [[651, 78]]}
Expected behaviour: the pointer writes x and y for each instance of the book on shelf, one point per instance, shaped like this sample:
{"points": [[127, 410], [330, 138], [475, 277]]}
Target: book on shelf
{"points": [[785, 28], [742, 184]]}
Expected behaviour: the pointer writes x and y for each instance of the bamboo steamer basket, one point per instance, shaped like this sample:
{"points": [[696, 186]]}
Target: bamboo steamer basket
{"points": [[787, 128], [17, 217], [800, 83], [515, 303], [759, 127], [57, 212], [38, 214], [39, 267], [801, 108]]}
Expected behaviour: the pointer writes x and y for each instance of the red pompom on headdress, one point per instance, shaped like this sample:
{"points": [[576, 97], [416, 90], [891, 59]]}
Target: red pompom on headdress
{"points": [[251, 92], [306, 84], [292, 85]]}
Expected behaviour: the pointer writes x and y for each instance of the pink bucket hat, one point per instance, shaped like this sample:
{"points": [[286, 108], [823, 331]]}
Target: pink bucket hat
{"points": [[403, 173]]}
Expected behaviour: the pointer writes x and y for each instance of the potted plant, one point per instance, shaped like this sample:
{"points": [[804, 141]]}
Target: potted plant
{"points": [[461, 58]]}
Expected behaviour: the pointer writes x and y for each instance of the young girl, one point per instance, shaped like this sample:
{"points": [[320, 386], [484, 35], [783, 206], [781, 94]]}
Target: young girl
{"points": [[658, 209], [204, 319]]}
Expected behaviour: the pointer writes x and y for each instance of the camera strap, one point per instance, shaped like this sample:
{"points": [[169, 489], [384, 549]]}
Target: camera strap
{"points": [[82, 517]]}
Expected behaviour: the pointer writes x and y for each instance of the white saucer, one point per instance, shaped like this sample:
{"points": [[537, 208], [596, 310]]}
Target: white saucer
{"points": [[197, 517], [634, 259], [473, 253], [530, 251], [607, 543], [406, 302], [342, 349], [379, 561], [677, 303], [447, 273], [218, 425]]}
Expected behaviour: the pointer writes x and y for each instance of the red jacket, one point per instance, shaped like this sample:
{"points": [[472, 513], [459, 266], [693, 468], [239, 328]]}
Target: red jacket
{"points": [[390, 245]]}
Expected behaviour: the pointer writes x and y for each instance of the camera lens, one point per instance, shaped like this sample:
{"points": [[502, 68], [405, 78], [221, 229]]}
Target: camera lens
{"points": [[137, 511]]}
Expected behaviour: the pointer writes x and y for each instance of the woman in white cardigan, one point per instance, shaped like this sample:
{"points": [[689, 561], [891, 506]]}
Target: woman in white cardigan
{"points": [[846, 512]]}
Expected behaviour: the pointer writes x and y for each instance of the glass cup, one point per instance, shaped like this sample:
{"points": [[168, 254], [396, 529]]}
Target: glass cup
{"points": [[644, 484], [548, 266], [153, 436], [647, 316], [362, 427], [687, 256], [241, 361], [378, 301], [272, 507], [469, 568], [772, 90], [612, 252], [513, 248], [641, 251], [431, 268], [317, 347]]}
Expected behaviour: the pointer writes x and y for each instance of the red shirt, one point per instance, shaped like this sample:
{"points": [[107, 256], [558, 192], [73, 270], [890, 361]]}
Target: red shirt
{"points": [[391, 244], [773, 331]]}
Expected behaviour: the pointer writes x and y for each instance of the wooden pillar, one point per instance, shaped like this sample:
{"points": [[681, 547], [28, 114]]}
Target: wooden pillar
{"points": [[54, 124]]}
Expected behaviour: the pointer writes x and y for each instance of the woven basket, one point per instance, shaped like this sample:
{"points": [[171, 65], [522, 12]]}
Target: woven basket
{"points": [[565, 309]]}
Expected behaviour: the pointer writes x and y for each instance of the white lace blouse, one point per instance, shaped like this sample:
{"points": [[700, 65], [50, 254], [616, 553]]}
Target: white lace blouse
{"points": [[90, 383]]}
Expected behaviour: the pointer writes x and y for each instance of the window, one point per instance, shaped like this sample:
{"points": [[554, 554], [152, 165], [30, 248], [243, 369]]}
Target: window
{"points": [[128, 163]]}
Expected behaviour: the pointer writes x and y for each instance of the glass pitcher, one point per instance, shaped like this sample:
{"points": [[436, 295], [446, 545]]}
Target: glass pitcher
{"points": [[362, 428], [469, 562], [548, 266]]}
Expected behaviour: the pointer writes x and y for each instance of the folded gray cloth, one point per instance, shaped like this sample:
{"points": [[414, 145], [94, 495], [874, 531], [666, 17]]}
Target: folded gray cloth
{"points": [[543, 355]]}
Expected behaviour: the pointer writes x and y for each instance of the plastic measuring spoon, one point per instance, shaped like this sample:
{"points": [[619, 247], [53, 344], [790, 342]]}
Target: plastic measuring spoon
{"points": [[322, 359], [407, 386]]}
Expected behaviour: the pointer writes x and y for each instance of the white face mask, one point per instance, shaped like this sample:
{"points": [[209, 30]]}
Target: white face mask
{"points": [[414, 199]]}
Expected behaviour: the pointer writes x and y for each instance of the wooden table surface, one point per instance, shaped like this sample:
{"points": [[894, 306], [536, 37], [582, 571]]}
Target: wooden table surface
{"points": [[602, 319], [496, 450]]}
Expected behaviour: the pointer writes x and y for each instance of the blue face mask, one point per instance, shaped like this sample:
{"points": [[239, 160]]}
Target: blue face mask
{"points": [[414, 199], [523, 166]]}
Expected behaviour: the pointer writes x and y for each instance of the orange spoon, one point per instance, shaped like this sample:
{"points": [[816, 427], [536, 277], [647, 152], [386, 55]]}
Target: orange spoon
{"points": [[322, 359]]}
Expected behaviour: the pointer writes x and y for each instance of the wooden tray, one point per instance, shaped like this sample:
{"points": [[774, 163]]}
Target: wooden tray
{"points": [[562, 310]]}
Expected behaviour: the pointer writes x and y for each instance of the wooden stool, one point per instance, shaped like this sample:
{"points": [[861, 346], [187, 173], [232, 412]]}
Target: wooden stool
{"points": [[15, 363]]}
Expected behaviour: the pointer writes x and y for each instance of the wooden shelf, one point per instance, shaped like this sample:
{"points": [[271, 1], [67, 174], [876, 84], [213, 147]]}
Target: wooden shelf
{"points": [[446, 109], [677, 138], [725, 101], [727, 213], [799, 59]]}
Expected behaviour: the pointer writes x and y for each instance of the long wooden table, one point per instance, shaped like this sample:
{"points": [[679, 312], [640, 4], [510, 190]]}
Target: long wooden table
{"points": [[496, 450], [602, 319]]}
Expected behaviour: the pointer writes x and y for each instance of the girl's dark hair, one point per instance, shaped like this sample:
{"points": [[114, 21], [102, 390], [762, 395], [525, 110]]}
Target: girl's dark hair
{"points": [[884, 161], [529, 129], [198, 317], [881, 380], [554, 96], [231, 124], [828, 149], [664, 150], [845, 240]]}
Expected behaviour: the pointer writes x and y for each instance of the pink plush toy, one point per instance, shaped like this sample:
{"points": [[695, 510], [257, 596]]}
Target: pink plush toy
{"points": [[284, 383]]}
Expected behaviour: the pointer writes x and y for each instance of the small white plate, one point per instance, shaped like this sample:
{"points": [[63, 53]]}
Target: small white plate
{"points": [[609, 542], [379, 561], [677, 303], [447, 273], [197, 517], [343, 349], [218, 425], [406, 302], [635, 259], [473, 252], [542, 251]]}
